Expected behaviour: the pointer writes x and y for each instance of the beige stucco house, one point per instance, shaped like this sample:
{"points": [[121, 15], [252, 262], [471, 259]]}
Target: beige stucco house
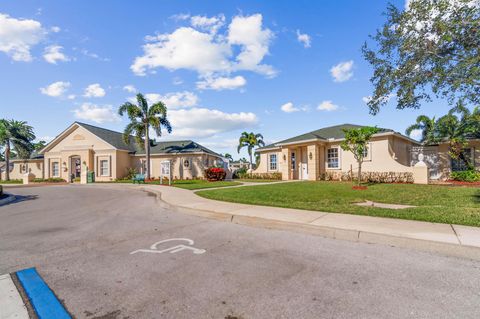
{"points": [[313, 154], [83, 147]]}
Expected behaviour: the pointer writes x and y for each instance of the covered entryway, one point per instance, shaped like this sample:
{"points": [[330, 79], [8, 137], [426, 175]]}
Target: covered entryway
{"points": [[304, 164], [75, 168]]}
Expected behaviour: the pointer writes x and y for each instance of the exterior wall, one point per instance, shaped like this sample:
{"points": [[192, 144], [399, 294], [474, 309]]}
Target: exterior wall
{"points": [[124, 161], [386, 154], [197, 164], [21, 167]]}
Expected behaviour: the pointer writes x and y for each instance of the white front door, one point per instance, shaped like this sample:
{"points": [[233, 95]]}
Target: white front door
{"points": [[304, 171]]}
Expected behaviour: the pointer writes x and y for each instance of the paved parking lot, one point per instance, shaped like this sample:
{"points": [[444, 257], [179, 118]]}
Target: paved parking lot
{"points": [[80, 239]]}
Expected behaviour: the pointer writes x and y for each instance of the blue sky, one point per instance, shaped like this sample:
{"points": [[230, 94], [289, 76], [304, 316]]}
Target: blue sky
{"points": [[280, 68]]}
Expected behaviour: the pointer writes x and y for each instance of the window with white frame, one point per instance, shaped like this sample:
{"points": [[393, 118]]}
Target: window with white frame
{"points": [[272, 162], [55, 169], [332, 158], [104, 169], [294, 161]]}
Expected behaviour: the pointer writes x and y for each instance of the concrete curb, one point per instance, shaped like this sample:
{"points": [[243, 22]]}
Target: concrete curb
{"points": [[454, 250], [10, 198]]}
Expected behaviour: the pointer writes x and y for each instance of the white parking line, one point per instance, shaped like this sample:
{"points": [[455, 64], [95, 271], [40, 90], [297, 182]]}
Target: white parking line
{"points": [[11, 304], [173, 249]]}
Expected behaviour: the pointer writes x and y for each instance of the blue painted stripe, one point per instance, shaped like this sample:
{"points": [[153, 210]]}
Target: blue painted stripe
{"points": [[42, 298]]}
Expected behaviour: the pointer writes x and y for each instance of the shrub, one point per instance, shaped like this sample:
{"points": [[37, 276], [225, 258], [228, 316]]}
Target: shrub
{"points": [[466, 176], [1, 190], [240, 172], [274, 176], [49, 180], [369, 177], [215, 174], [131, 172]]}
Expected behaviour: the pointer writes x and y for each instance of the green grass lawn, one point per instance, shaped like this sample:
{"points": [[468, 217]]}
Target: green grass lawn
{"points": [[440, 204], [200, 184]]}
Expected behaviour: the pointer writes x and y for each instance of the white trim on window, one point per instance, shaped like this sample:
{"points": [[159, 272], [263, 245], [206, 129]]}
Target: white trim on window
{"points": [[272, 162], [333, 160], [55, 169], [104, 167]]}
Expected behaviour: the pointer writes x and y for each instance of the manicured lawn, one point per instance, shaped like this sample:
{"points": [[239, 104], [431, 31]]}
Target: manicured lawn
{"points": [[440, 204], [200, 184]]}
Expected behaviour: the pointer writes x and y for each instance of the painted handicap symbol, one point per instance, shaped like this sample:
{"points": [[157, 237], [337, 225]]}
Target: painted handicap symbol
{"points": [[173, 249]]}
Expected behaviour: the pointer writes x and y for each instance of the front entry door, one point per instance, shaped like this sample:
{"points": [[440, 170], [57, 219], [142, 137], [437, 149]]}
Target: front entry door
{"points": [[304, 165]]}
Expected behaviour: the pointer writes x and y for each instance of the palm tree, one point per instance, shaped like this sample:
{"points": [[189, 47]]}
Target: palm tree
{"points": [[427, 126], [228, 156], [250, 140], [17, 135], [142, 117]]}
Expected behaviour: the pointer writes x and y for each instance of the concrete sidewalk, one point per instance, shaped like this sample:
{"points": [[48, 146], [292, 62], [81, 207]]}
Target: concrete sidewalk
{"points": [[453, 240]]}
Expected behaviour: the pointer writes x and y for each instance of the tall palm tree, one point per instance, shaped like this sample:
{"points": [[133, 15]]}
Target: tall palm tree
{"points": [[142, 117], [428, 127], [17, 135], [250, 141]]}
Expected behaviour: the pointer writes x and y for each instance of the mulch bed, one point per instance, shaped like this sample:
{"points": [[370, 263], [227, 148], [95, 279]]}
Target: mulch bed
{"points": [[468, 184]]}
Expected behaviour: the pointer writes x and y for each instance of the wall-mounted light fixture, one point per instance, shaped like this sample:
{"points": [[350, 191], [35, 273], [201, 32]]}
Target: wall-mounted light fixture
{"points": [[284, 157], [310, 156]]}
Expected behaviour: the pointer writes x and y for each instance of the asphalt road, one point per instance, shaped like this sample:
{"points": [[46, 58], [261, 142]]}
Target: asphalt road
{"points": [[80, 239]]}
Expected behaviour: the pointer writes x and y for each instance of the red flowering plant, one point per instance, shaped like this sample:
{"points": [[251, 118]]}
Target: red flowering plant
{"points": [[215, 174]]}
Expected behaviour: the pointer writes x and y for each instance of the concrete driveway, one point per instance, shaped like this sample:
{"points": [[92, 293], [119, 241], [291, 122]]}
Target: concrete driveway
{"points": [[80, 238]]}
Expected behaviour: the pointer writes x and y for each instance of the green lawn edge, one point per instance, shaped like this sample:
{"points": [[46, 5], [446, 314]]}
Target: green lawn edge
{"points": [[438, 204]]}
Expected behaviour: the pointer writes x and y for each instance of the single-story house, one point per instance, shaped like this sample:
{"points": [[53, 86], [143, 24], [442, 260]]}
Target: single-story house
{"points": [[312, 155], [83, 147]]}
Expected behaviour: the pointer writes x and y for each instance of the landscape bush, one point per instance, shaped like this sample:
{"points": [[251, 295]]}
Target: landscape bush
{"points": [[466, 176], [273, 176], [49, 180], [215, 174], [369, 177]]}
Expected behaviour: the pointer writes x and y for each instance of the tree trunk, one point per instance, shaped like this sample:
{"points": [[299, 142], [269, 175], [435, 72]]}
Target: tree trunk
{"points": [[359, 173], [251, 161], [147, 152], [7, 161]]}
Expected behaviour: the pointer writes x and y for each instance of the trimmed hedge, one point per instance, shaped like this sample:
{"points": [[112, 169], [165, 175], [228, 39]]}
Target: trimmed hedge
{"points": [[273, 176], [466, 176], [369, 177], [49, 180]]}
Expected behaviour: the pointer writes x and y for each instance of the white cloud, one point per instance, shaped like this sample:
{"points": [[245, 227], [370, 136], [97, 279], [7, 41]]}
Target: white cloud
{"points": [[224, 144], [206, 52], [289, 108], [416, 134], [174, 100], [342, 71], [94, 90], [247, 32], [130, 88], [304, 39], [55, 89], [18, 36], [327, 106], [95, 113], [222, 83], [52, 54], [55, 29], [197, 122], [71, 97], [212, 24], [185, 48]]}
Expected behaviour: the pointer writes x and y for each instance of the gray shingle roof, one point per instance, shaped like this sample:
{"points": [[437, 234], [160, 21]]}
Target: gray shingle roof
{"points": [[331, 132], [169, 147]]}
